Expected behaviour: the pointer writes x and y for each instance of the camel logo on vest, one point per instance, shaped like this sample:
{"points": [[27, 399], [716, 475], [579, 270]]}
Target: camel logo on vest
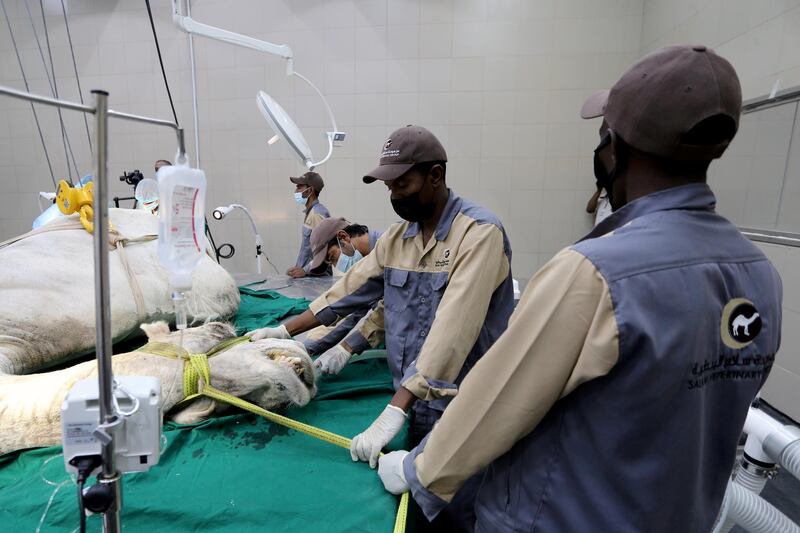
{"points": [[740, 324]]}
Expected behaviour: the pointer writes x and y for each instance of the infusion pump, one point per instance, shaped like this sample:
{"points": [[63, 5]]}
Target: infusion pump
{"points": [[137, 437]]}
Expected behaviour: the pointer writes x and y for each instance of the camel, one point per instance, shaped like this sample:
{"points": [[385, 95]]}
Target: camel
{"points": [[742, 321], [47, 313], [270, 373]]}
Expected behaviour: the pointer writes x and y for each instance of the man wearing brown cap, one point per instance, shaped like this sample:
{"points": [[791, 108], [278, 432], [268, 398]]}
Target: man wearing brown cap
{"points": [[615, 399], [445, 279], [336, 242], [306, 193]]}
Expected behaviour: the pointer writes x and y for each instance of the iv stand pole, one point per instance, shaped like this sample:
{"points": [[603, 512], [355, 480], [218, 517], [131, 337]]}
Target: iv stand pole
{"points": [[102, 309], [109, 474]]}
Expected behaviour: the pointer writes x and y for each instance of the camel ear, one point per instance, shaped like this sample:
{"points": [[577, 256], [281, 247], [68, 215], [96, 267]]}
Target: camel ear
{"points": [[155, 330], [195, 412]]}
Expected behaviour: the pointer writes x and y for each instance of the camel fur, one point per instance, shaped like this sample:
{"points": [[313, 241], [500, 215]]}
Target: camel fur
{"points": [[270, 373]]}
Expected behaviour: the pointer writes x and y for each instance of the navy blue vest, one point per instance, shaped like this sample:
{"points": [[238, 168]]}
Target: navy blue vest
{"points": [[650, 446]]}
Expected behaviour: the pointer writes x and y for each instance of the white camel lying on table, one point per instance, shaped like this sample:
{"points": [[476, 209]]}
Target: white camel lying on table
{"points": [[270, 373], [47, 290]]}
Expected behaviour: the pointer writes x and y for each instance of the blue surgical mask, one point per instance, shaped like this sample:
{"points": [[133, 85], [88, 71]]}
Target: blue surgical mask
{"points": [[345, 262], [298, 197]]}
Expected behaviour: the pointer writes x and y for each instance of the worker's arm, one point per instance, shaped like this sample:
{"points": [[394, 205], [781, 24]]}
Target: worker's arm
{"points": [[302, 323], [339, 332], [369, 333], [479, 268], [563, 333], [359, 289]]}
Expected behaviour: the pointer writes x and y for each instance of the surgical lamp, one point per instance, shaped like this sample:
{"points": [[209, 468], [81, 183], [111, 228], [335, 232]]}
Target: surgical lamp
{"points": [[222, 211], [277, 118]]}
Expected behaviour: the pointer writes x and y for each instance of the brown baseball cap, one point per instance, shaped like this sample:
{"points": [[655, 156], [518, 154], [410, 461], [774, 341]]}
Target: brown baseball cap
{"points": [[321, 236], [309, 178], [656, 104], [403, 149]]}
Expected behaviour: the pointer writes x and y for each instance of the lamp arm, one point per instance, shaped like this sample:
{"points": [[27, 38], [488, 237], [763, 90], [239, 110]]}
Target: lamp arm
{"points": [[189, 25], [311, 164], [252, 221]]}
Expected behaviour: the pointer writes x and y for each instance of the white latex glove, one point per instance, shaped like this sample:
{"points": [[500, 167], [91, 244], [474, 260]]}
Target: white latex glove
{"points": [[367, 446], [390, 470], [333, 360], [270, 333]]}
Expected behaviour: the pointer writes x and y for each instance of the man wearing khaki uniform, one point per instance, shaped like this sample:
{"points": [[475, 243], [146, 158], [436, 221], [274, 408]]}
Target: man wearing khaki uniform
{"points": [[615, 399], [445, 279]]}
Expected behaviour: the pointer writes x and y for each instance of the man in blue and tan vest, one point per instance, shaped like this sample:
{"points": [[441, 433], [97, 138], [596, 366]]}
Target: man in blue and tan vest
{"points": [[307, 189], [615, 399], [445, 279]]}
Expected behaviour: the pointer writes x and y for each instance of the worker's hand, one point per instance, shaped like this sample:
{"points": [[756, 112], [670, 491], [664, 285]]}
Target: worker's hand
{"points": [[334, 360], [269, 333], [296, 272], [390, 470], [367, 446]]}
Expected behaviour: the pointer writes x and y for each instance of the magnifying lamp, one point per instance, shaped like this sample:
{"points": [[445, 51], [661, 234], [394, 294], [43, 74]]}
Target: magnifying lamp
{"points": [[222, 211]]}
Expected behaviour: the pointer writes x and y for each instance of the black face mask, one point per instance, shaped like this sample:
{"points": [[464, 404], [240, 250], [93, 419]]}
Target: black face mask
{"points": [[412, 209], [605, 178]]}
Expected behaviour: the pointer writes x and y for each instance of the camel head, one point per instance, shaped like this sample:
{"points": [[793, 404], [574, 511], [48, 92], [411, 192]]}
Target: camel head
{"points": [[270, 373]]}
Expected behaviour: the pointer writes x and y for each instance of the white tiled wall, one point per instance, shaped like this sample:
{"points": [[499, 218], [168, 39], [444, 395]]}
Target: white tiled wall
{"points": [[500, 82], [762, 41]]}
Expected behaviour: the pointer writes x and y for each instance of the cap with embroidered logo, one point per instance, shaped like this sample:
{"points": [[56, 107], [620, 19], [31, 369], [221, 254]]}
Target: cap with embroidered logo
{"points": [[403, 149]]}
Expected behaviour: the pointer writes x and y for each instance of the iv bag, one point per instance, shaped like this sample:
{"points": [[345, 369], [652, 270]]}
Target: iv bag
{"points": [[181, 222]]}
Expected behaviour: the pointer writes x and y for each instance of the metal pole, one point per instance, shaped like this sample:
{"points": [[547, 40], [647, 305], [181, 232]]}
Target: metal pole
{"points": [[8, 91], [182, 159], [194, 92], [140, 118], [102, 293]]}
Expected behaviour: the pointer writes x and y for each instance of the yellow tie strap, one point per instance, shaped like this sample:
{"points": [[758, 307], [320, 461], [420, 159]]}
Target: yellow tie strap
{"points": [[197, 382]]}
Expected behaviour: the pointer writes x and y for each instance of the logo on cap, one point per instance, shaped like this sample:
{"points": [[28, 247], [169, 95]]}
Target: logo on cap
{"points": [[387, 151], [741, 323]]}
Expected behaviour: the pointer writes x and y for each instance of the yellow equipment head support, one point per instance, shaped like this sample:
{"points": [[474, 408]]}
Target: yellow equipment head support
{"points": [[71, 200]]}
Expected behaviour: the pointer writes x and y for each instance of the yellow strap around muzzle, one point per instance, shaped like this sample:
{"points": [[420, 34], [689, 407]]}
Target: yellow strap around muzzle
{"points": [[197, 382]]}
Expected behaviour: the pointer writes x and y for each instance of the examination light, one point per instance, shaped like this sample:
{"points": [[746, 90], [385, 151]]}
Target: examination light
{"points": [[283, 125], [277, 118], [222, 211]]}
